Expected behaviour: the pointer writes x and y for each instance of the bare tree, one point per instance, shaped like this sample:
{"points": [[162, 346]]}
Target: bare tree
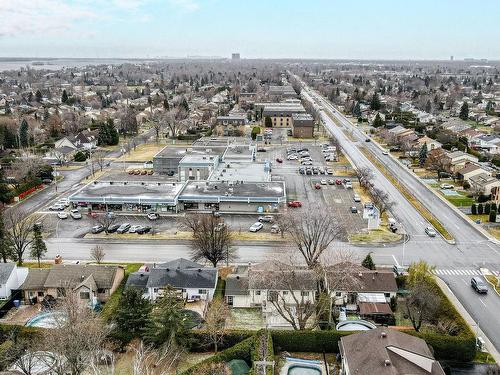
{"points": [[99, 158], [106, 220], [313, 231], [381, 200], [365, 176], [283, 223], [19, 231], [174, 120], [215, 321], [97, 254], [148, 361], [438, 162], [421, 304], [158, 122], [212, 239]]}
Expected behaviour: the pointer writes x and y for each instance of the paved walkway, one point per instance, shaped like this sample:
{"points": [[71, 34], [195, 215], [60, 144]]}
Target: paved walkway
{"points": [[489, 346]]}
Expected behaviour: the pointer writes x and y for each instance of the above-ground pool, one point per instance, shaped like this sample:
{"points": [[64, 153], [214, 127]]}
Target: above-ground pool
{"points": [[296, 366], [51, 319]]}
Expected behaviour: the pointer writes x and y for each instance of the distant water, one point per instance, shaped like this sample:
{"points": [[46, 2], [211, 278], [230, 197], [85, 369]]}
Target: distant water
{"points": [[56, 64]]}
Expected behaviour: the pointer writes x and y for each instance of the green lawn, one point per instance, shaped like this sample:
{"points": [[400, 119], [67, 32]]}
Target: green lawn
{"points": [[459, 200]]}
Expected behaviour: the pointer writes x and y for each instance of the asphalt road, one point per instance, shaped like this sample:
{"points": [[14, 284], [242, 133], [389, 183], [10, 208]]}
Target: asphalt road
{"points": [[471, 250]]}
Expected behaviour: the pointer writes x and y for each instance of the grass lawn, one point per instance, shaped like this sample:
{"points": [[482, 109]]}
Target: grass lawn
{"points": [[494, 231], [143, 152], [459, 200], [483, 218], [483, 357], [375, 236], [494, 281], [245, 318], [35, 264]]}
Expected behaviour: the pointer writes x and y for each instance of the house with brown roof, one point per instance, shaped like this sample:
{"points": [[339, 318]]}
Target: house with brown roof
{"points": [[384, 351], [470, 170], [484, 183], [91, 283]]}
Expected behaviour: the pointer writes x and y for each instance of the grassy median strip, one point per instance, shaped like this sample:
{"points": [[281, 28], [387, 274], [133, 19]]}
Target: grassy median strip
{"points": [[415, 203]]}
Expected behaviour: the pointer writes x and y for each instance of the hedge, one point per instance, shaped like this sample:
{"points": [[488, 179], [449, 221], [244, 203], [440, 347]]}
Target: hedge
{"points": [[453, 348], [307, 341], [242, 350], [201, 341], [263, 337]]}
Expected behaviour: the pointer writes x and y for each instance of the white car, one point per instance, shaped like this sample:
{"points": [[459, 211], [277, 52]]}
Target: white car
{"points": [[256, 227], [306, 162], [430, 232], [447, 186], [57, 207], [266, 219], [348, 185], [153, 216], [75, 214], [64, 202], [385, 152], [292, 157], [134, 228], [62, 215], [323, 182], [356, 198], [275, 229]]}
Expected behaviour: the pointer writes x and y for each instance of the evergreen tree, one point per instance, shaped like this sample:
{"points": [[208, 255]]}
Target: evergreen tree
{"points": [[255, 131], [480, 209], [473, 209], [38, 247], [464, 111], [268, 123], [368, 262], [103, 136], [378, 122], [64, 96], [422, 156], [356, 111], [132, 315], [114, 137], [23, 133], [487, 208], [375, 102], [493, 216]]}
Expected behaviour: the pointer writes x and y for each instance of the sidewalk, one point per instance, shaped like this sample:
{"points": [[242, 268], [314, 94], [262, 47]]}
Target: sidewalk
{"points": [[489, 346]]}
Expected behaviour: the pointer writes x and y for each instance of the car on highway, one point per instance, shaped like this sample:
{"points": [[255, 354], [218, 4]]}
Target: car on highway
{"points": [[266, 218], [97, 229], [123, 228], [143, 229], [75, 214], [354, 210], [430, 232], [317, 186], [385, 152], [294, 204], [323, 182], [368, 140], [113, 228], [153, 216], [478, 285], [279, 160], [57, 207], [356, 198], [134, 228], [62, 215], [255, 227], [446, 186]]}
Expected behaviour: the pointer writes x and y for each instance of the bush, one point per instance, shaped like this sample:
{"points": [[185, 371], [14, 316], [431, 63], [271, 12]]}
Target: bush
{"points": [[220, 288], [201, 341], [255, 131], [487, 208], [473, 209], [80, 156], [493, 216], [188, 137], [451, 348], [307, 341], [480, 209]]}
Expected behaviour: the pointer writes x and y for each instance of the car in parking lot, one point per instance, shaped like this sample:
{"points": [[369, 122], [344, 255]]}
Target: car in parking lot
{"points": [[292, 157], [302, 170], [338, 182], [123, 228], [369, 205], [294, 204], [134, 228], [331, 182], [368, 140], [255, 227], [447, 186], [430, 232], [329, 171], [323, 182], [62, 215], [306, 162], [266, 218], [143, 229], [75, 214], [348, 185], [354, 210], [317, 186], [356, 198], [64, 202], [275, 228], [478, 285], [97, 229], [279, 160], [113, 228], [153, 216], [57, 207]]}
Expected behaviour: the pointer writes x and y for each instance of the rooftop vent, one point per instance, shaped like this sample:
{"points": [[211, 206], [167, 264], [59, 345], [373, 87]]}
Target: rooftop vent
{"points": [[387, 363]]}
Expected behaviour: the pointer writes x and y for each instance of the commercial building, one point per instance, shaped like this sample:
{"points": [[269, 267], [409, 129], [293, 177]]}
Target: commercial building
{"points": [[167, 160], [281, 113], [282, 92], [302, 125], [231, 125]]}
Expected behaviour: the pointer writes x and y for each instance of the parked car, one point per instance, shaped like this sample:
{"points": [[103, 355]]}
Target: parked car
{"points": [[354, 210], [368, 140], [369, 205], [329, 171], [97, 229], [331, 182], [356, 198], [64, 202], [170, 173], [348, 185], [279, 160], [113, 228], [75, 214], [143, 229], [323, 182], [317, 186], [478, 285], [123, 228], [57, 207], [261, 150], [302, 170], [275, 229], [306, 162], [153, 216], [134, 228], [294, 204], [255, 227], [338, 182], [430, 232], [266, 219], [62, 215], [447, 186], [292, 157]]}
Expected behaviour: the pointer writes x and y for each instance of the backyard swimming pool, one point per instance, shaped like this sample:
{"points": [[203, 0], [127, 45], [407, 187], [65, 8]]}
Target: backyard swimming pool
{"points": [[46, 320], [303, 370], [296, 366]]}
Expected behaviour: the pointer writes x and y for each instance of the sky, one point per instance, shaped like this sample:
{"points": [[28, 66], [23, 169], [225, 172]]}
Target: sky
{"points": [[331, 29]]}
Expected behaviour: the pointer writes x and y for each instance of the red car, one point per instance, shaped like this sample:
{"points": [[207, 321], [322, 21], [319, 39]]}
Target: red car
{"points": [[294, 204], [317, 186], [338, 182], [279, 160]]}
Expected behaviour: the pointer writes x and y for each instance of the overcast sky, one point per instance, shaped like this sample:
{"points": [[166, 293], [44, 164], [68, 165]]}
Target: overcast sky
{"points": [[352, 29]]}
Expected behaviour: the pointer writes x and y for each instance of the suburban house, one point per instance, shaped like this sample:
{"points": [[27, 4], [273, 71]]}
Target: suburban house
{"points": [[470, 170], [425, 140], [86, 140], [384, 351], [90, 283], [260, 286], [487, 142], [458, 159], [11, 278], [484, 183], [192, 280]]}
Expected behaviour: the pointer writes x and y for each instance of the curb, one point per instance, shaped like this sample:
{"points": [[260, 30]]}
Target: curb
{"points": [[486, 272]]}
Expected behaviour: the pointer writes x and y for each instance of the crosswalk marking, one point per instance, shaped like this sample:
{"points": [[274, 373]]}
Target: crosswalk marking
{"points": [[454, 272]]}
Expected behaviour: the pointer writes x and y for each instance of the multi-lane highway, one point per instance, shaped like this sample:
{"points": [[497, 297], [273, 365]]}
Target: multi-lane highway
{"points": [[471, 250]]}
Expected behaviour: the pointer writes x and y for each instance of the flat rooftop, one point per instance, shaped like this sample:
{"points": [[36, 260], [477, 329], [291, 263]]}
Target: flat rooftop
{"points": [[251, 172], [221, 141], [214, 191], [128, 192], [302, 116], [239, 153], [180, 152]]}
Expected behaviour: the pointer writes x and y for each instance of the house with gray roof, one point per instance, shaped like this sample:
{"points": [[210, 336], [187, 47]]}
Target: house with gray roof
{"points": [[11, 278], [91, 283], [192, 280], [384, 351]]}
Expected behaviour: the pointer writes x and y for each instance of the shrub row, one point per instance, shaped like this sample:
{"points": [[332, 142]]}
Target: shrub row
{"points": [[307, 341], [263, 338], [201, 340], [452, 348]]}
